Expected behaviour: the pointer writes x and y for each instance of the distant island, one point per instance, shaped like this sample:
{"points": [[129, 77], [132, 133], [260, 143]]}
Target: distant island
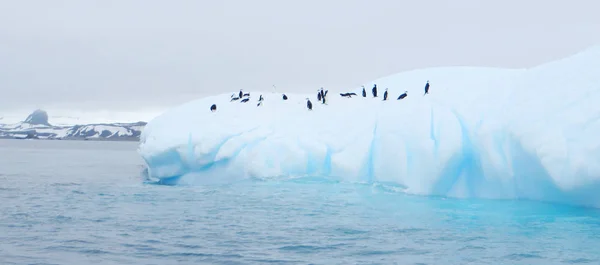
{"points": [[37, 126]]}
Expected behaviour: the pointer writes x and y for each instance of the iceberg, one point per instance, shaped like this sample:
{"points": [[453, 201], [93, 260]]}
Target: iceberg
{"points": [[479, 133]]}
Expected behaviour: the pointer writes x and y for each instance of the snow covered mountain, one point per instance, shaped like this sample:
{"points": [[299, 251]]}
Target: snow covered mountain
{"points": [[37, 126]]}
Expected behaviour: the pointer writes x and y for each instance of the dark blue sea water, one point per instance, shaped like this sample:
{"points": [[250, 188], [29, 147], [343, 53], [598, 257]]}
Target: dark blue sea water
{"points": [[76, 202]]}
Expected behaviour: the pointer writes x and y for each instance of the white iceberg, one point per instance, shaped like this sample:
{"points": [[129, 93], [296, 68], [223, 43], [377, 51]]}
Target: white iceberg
{"points": [[480, 132]]}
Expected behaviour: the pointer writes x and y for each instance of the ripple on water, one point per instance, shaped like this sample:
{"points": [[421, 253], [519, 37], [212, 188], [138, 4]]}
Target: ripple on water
{"points": [[581, 261], [305, 249], [471, 247], [187, 246], [67, 184], [350, 231], [522, 256]]}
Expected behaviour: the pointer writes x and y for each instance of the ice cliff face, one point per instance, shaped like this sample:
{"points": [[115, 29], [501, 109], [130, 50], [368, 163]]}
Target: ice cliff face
{"points": [[489, 133]]}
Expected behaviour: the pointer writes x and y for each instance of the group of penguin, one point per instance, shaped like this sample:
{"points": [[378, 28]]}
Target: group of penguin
{"points": [[321, 96], [245, 97]]}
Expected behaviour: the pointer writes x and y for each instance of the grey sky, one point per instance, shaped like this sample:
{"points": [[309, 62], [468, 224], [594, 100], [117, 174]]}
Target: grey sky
{"points": [[133, 55]]}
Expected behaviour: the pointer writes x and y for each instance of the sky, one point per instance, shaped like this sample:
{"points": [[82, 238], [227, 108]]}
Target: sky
{"points": [[134, 56]]}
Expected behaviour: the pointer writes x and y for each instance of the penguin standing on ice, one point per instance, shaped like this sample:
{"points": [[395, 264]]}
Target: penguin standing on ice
{"points": [[374, 91], [213, 108], [308, 104], [241, 94], [426, 88], [364, 93], [260, 100], [324, 95], [385, 94], [319, 94], [403, 95]]}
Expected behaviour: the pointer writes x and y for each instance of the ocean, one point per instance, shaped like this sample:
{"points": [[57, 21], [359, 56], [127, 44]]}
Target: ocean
{"points": [[86, 202]]}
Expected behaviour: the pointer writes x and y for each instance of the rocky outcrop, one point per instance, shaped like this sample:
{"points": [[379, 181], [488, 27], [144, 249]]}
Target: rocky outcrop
{"points": [[38, 117]]}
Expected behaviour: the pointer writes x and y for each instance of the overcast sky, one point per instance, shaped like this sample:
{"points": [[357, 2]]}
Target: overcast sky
{"points": [[135, 55]]}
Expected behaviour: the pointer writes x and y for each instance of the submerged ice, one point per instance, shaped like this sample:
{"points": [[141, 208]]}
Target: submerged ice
{"points": [[480, 132]]}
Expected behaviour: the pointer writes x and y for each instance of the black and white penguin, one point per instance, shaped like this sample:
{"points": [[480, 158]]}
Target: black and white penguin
{"points": [[213, 108], [364, 93], [244, 100], [260, 100], [385, 94], [234, 98], [246, 94], [308, 104], [241, 94], [285, 97], [403, 95], [324, 95], [374, 90], [319, 94], [426, 88]]}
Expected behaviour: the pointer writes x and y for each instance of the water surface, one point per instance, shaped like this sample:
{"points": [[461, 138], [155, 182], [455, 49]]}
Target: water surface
{"points": [[84, 202]]}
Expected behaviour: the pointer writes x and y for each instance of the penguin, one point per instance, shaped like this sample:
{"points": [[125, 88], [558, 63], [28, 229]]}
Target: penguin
{"points": [[241, 94], [319, 95], [308, 104], [213, 108], [285, 97], [403, 95], [364, 93], [324, 94], [233, 98], [260, 100], [244, 100], [246, 94], [374, 91], [385, 94], [426, 88]]}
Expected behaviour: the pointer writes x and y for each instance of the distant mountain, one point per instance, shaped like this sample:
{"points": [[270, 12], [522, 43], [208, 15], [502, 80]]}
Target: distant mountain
{"points": [[37, 126], [38, 117]]}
